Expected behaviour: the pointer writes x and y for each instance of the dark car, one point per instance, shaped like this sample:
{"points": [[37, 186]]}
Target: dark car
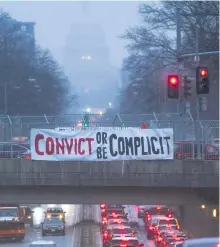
{"points": [[141, 210], [188, 150], [13, 150], [117, 216], [53, 226], [112, 211]]}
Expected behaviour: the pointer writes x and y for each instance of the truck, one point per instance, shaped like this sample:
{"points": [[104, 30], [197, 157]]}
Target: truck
{"points": [[12, 226], [55, 212], [27, 214]]}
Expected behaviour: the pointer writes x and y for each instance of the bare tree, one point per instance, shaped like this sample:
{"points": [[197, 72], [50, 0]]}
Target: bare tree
{"points": [[35, 82], [152, 45]]}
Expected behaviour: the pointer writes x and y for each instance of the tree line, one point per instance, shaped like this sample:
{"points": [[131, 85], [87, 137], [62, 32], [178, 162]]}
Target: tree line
{"points": [[153, 55], [31, 80]]}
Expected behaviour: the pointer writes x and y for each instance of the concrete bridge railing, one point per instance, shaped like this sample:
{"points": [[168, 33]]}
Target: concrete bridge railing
{"points": [[178, 174]]}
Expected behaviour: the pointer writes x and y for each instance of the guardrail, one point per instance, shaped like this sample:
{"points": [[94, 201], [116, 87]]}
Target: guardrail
{"points": [[177, 180]]}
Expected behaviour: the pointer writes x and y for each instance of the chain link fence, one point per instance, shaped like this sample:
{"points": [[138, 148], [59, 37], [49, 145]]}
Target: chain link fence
{"points": [[185, 128]]}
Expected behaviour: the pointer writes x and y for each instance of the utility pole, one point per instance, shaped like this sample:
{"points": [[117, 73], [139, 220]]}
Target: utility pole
{"points": [[197, 100], [5, 99], [178, 49]]}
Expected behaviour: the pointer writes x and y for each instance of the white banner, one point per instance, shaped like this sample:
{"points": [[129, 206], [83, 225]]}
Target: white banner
{"points": [[102, 145]]}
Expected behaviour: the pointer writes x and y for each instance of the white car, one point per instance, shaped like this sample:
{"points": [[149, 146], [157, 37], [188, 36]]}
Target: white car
{"points": [[202, 242], [43, 243]]}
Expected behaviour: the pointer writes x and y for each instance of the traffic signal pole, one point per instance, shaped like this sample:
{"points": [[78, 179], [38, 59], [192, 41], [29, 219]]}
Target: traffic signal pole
{"points": [[197, 100]]}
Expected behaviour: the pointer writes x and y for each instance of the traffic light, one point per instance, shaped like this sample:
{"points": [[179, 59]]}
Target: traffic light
{"points": [[173, 87], [202, 80], [187, 86], [86, 121]]}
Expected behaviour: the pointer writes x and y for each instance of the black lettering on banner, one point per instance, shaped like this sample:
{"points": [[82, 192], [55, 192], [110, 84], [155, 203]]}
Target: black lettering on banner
{"points": [[161, 144], [104, 138], [154, 139], [149, 146], [129, 146], [99, 152], [121, 145], [168, 146], [98, 138], [104, 153], [142, 147], [137, 144], [112, 152]]}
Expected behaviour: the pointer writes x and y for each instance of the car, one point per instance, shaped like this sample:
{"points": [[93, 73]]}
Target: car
{"points": [[157, 221], [121, 231], [117, 216], [111, 206], [178, 244], [151, 226], [125, 242], [56, 212], [13, 150], [112, 211], [118, 222], [43, 243], [158, 210], [202, 242], [185, 150], [168, 238], [169, 222], [141, 210], [53, 225]]}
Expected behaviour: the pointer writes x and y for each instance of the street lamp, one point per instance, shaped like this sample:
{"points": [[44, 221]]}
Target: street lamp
{"points": [[110, 104], [88, 110]]}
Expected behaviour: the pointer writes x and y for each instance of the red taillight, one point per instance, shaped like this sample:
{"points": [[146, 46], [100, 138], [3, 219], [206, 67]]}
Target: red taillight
{"points": [[104, 218], [123, 245], [28, 157], [169, 215], [159, 239], [105, 234], [151, 227], [103, 205], [103, 210], [133, 234]]}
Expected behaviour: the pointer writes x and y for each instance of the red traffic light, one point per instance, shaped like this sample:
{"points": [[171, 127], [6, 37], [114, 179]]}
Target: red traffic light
{"points": [[173, 80], [203, 72]]}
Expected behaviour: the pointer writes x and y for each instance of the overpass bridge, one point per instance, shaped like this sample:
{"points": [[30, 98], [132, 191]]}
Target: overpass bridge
{"points": [[178, 182]]}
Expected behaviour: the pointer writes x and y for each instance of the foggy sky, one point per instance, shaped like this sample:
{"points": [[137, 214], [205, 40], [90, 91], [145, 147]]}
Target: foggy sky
{"points": [[53, 21]]}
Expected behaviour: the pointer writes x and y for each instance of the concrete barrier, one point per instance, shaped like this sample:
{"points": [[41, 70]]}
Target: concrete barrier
{"points": [[175, 173]]}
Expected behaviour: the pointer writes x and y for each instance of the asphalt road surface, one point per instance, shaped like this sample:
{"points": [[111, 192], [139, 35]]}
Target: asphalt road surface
{"points": [[34, 234]]}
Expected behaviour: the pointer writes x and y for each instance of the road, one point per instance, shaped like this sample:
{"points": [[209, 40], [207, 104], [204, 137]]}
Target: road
{"points": [[35, 234], [86, 232]]}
